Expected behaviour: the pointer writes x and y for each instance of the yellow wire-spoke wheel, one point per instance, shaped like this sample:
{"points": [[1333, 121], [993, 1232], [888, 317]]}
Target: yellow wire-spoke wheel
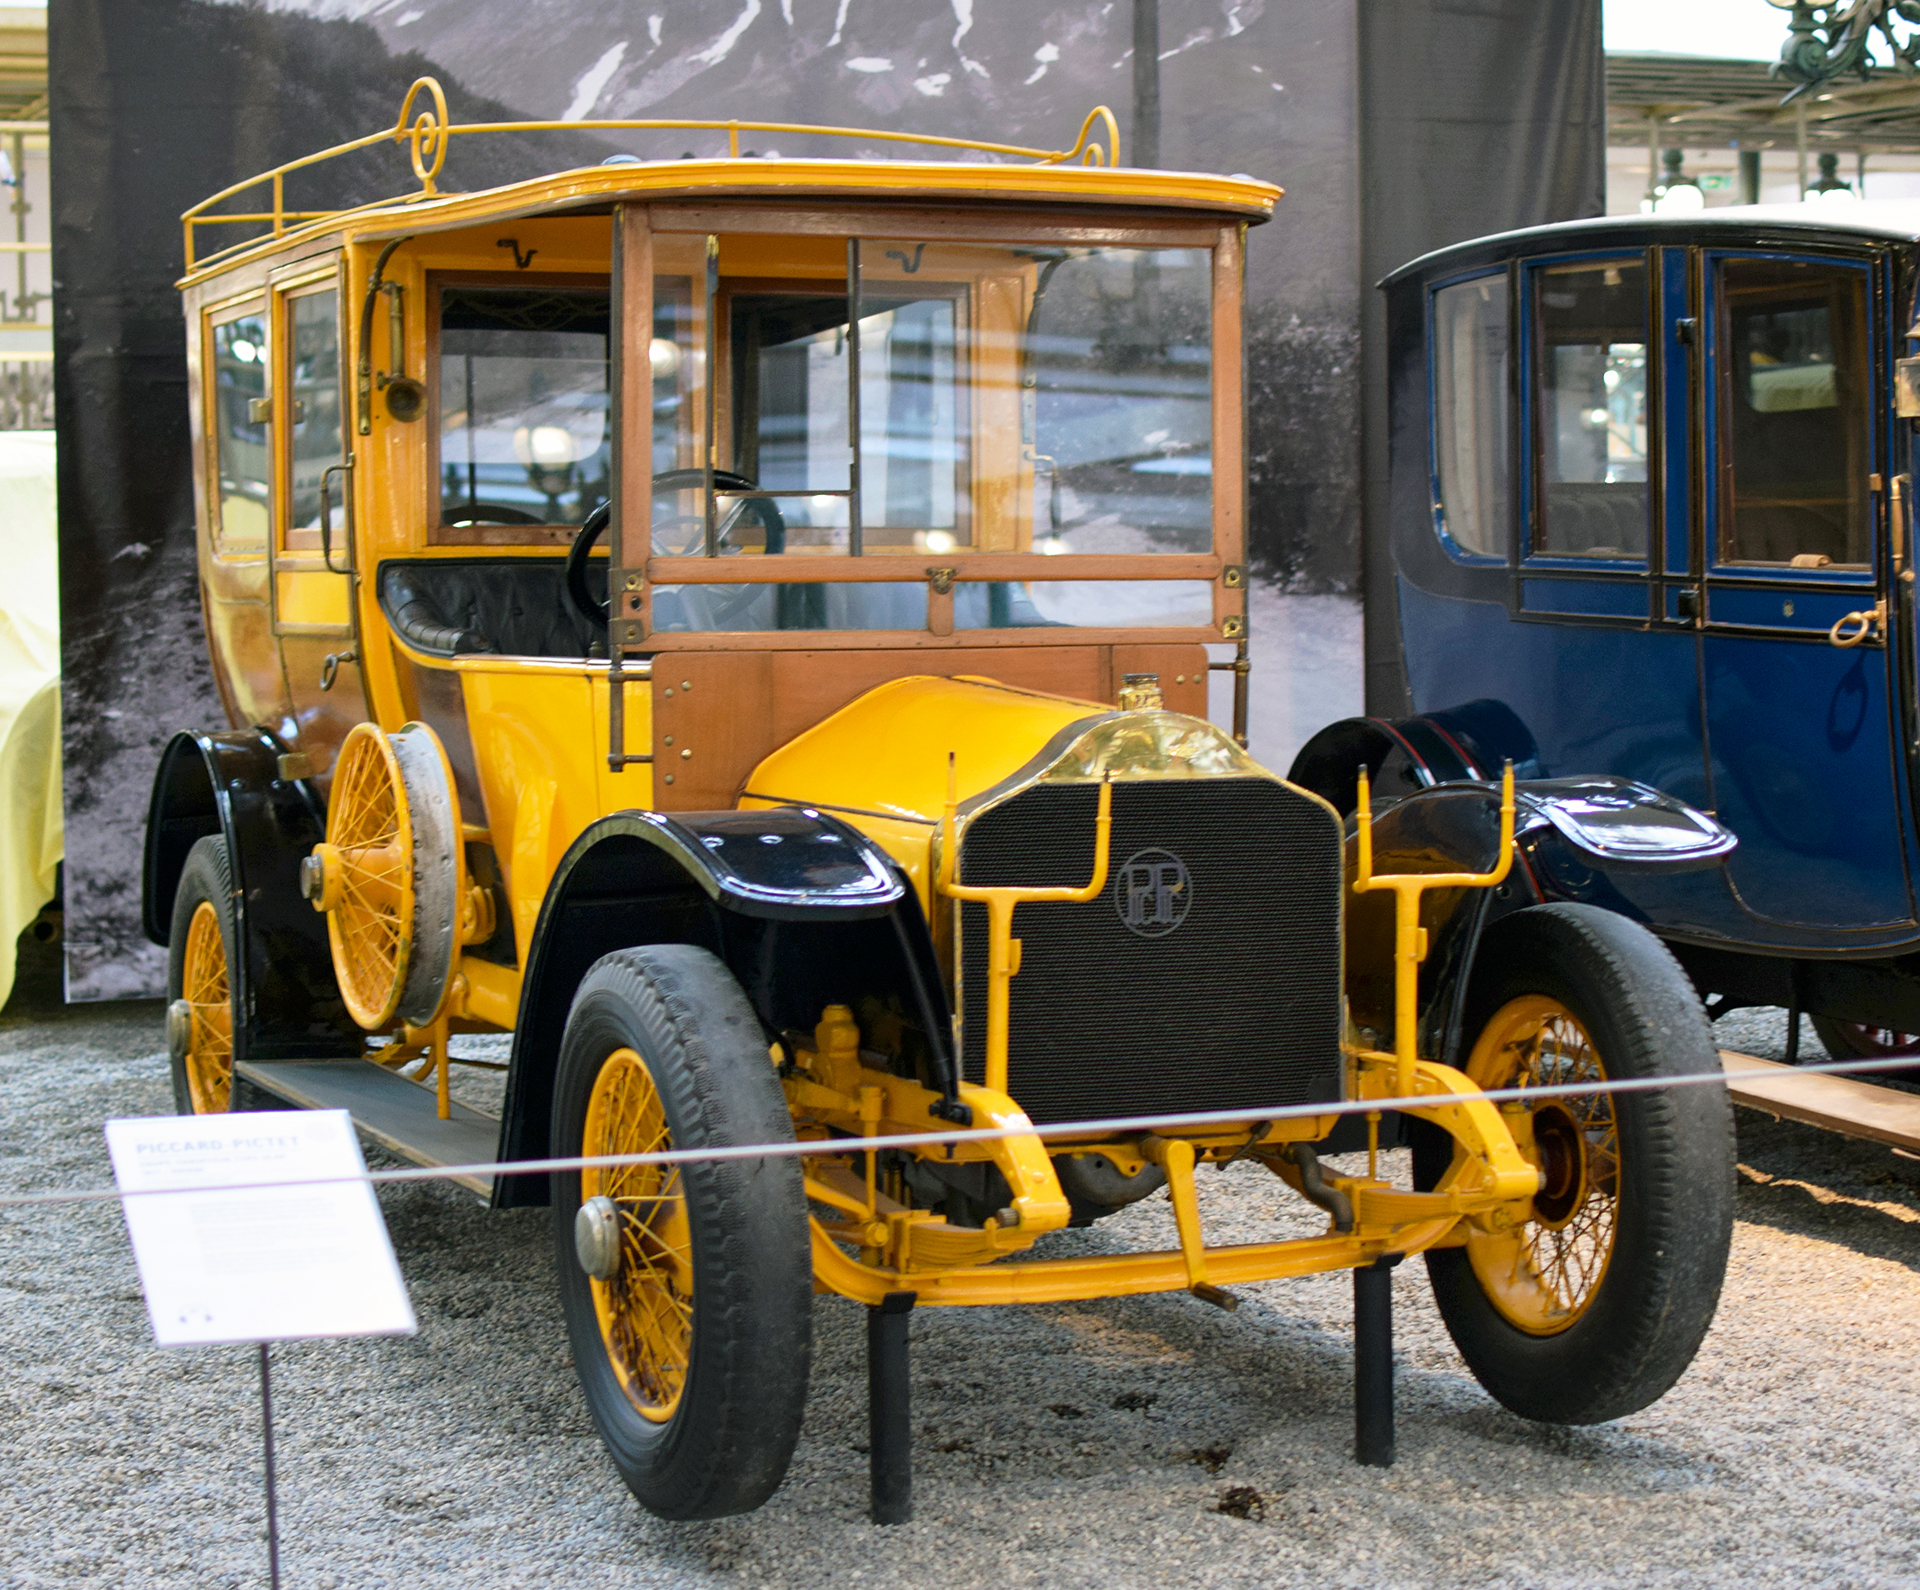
{"points": [[209, 1056], [367, 873], [645, 1308], [1596, 1301], [687, 1287], [1544, 1274]]}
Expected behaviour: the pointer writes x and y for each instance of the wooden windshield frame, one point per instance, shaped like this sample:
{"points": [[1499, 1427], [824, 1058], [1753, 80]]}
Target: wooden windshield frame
{"points": [[634, 571]]}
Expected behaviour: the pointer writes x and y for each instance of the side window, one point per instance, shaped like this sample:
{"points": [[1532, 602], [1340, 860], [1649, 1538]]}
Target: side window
{"points": [[1794, 445], [313, 388], [1590, 409], [1471, 461], [523, 404], [242, 460]]}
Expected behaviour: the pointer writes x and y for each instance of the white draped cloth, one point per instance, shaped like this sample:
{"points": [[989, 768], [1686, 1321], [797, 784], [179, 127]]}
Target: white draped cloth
{"points": [[32, 834]]}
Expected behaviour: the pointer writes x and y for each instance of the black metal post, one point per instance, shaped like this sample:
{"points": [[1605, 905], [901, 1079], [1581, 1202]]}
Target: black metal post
{"points": [[1373, 1363], [889, 1411], [273, 1514], [1793, 1013], [1146, 84]]}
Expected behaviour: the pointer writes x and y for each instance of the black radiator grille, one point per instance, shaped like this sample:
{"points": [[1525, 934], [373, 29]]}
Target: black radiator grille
{"points": [[1230, 1000]]}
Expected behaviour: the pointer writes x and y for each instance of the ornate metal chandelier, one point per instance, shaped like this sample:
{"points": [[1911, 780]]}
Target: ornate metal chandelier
{"points": [[1827, 41]]}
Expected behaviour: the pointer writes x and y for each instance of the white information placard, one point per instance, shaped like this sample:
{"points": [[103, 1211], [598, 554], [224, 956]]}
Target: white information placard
{"points": [[266, 1263]]}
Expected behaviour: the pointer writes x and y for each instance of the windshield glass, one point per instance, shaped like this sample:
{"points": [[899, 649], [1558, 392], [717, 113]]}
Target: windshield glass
{"points": [[932, 398]]}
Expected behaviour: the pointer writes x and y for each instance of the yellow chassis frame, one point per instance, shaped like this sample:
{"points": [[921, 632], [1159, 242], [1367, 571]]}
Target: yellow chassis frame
{"points": [[836, 1099]]}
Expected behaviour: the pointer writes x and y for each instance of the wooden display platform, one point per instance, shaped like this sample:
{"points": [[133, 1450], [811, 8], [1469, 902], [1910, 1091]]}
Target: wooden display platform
{"points": [[1846, 1105], [401, 1116]]}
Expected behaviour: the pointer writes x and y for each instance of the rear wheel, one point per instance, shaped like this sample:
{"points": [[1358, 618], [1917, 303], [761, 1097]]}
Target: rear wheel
{"points": [[200, 950], [688, 1289], [1853, 1040], [1596, 1305]]}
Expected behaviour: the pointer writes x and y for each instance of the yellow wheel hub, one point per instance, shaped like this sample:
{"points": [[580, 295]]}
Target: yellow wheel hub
{"points": [[1543, 1275], [646, 1308], [204, 986], [366, 877]]}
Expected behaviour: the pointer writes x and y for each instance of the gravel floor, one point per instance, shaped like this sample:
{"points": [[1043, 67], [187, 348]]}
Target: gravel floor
{"points": [[1141, 1441]]}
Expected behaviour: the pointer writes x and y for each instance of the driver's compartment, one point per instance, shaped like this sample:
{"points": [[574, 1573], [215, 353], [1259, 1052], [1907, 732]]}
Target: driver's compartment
{"points": [[521, 368]]}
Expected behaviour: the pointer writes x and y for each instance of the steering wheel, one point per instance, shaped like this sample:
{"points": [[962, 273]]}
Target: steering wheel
{"points": [[728, 600]]}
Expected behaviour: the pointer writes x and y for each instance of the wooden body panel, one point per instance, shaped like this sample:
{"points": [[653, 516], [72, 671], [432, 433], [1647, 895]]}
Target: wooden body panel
{"points": [[744, 706]]}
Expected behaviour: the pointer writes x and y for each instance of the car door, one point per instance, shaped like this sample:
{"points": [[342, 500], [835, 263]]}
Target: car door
{"points": [[1604, 495], [1800, 730], [312, 591]]}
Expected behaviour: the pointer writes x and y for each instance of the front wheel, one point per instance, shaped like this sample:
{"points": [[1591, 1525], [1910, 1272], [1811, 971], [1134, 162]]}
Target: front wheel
{"points": [[1596, 1305], [688, 1288]]}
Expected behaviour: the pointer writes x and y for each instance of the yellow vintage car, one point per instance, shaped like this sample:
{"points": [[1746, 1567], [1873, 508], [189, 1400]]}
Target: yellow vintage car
{"points": [[744, 626]]}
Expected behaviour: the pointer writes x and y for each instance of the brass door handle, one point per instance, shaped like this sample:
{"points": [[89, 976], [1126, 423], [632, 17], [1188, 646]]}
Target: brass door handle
{"points": [[1868, 621], [330, 666], [1897, 521]]}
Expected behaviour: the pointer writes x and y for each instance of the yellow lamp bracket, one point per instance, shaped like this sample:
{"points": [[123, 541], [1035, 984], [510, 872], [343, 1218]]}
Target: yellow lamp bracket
{"points": [[1409, 937], [1003, 949]]}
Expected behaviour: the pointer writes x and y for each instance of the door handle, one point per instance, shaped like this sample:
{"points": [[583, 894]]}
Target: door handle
{"points": [[326, 516], [1897, 521], [1852, 628]]}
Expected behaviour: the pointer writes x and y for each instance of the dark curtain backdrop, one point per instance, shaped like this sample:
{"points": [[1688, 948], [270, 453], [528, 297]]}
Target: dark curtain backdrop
{"points": [[155, 104], [1479, 118], [1476, 116]]}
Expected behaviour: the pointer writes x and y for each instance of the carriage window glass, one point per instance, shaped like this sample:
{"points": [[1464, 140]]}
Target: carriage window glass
{"points": [[240, 441], [792, 366], [1794, 447], [1470, 424], [524, 406], [1590, 380], [313, 382]]}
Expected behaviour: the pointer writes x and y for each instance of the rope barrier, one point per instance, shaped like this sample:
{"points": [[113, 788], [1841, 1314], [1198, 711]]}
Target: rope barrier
{"points": [[1061, 1133]]}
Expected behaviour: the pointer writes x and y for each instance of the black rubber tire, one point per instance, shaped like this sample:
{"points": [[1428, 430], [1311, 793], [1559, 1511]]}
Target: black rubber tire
{"points": [[207, 876], [1846, 1040], [1675, 1219], [728, 1444]]}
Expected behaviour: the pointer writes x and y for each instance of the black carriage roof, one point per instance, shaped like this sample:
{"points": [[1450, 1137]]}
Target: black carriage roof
{"points": [[1873, 220]]}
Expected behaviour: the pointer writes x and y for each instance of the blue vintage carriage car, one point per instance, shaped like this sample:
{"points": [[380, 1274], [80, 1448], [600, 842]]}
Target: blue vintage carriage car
{"points": [[1651, 515]]}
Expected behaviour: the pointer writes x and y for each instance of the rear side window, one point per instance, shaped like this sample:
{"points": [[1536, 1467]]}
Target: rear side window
{"points": [[1794, 444], [242, 462], [1471, 462], [1590, 421], [523, 404], [313, 380]]}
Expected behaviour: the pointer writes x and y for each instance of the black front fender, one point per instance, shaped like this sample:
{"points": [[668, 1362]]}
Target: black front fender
{"points": [[805, 911], [289, 1006], [1599, 840]]}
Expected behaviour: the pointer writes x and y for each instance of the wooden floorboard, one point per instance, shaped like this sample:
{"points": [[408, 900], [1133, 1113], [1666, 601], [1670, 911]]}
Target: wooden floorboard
{"points": [[399, 1115], [1835, 1103]]}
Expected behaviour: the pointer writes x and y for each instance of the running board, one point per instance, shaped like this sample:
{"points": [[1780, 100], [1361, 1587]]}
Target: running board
{"points": [[401, 1116], [1836, 1103]]}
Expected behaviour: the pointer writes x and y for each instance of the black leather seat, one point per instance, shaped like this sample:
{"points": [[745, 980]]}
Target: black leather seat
{"points": [[1596, 518], [516, 607]]}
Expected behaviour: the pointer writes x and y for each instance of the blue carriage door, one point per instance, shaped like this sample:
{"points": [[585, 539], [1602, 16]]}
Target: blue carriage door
{"points": [[1606, 493], [1801, 732]]}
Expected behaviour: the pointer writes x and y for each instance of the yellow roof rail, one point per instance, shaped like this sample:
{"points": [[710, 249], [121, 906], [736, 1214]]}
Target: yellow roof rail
{"points": [[428, 133]]}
